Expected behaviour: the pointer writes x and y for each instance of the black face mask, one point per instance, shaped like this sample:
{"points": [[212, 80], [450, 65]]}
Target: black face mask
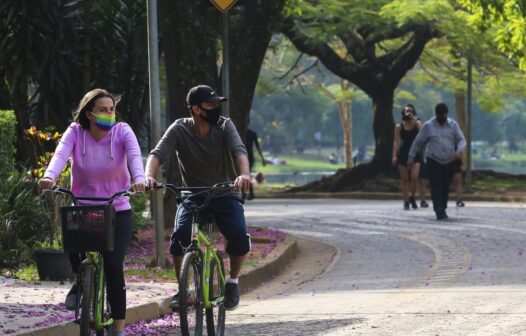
{"points": [[406, 117], [212, 115], [441, 119]]}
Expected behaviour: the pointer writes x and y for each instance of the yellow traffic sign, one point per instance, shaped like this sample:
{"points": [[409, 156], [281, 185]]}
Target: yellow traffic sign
{"points": [[223, 5]]}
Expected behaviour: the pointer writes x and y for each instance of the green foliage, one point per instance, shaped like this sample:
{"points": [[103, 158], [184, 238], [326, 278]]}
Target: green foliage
{"points": [[28, 272], [22, 224], [7, 139], [505, 20], [494, 185], [138, 203], [54, 47]]}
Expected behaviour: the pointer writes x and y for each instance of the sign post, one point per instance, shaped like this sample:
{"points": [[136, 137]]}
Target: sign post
{"points": [[224, 6], [155, 124]]}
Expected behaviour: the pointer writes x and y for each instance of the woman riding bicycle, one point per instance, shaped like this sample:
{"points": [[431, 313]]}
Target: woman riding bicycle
{"points": [[203, 144], [103, 155]]}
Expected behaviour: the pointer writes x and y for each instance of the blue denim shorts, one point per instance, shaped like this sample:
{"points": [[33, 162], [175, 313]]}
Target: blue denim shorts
{"points": [[229, 215]]}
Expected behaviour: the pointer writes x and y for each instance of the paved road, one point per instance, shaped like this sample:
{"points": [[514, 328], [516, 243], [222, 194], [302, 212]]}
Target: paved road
{"points": [[396, 272]]}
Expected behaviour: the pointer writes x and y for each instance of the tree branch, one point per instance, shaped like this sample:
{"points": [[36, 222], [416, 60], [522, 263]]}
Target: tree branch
{"points": [[292, 67], [307, 69], [357, 74]]}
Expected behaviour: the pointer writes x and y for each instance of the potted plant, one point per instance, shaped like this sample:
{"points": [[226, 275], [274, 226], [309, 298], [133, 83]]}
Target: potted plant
{"points": [[52, 262]]}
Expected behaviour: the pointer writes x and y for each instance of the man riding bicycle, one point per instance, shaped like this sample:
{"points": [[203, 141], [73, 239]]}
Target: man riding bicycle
{"points": [[205, 145]]}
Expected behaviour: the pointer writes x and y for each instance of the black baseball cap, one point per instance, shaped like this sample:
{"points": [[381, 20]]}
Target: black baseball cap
{"points": [[203, 93]]}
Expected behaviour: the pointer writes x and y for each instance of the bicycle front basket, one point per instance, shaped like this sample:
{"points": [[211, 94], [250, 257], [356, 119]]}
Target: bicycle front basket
{"points": [[87, 228]]}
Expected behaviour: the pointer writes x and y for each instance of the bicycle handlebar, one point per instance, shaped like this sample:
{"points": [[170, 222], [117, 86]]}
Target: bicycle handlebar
{"points": [[196, 191], [108, 200]]}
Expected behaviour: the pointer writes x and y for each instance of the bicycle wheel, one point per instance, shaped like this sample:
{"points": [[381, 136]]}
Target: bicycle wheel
{"points": [[215, 316], [85, 306], [190, 302]]}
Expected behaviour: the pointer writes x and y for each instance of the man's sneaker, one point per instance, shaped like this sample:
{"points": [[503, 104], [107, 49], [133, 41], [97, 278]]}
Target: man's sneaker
{"points": [[423, 204], [413, 202], [460, 203], [71, 299], [406, 205], [174, 302], [231, 296]]}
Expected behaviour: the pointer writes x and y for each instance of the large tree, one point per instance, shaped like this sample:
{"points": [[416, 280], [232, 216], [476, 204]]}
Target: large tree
{"points": [[191, 34], [381, 48]]}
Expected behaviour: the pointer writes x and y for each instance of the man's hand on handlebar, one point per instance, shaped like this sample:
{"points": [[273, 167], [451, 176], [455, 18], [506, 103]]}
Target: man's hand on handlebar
{"points": [[45, 183], [242, 182], [151, 182]]}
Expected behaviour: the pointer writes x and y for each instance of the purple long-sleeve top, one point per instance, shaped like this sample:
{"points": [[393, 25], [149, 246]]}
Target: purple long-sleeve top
{"points": [[99, 168]]}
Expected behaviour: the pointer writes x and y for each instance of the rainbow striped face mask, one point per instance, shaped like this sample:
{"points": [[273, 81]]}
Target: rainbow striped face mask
{"points": [[104, 121]]}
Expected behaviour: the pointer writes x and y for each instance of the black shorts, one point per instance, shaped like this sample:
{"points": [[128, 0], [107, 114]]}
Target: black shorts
{"points": [[401, 159], [229, 216]]}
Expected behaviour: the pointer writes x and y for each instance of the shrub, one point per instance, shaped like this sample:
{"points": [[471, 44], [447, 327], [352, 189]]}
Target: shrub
{"points": [[7, 140], [22, 220], [139, 203]]}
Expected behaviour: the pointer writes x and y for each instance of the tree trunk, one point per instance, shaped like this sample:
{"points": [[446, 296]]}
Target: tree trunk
{"points": [[347, 138], [249, 39], [383, 128], [345, 109], [188, 43], [86, 60], [460, 108]]}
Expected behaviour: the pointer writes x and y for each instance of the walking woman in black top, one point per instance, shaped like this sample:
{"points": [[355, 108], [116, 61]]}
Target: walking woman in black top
{"points": [[405, 134]]}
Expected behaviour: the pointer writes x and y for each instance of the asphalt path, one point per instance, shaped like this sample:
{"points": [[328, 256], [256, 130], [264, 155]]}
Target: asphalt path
{"points": [[394, 272]]}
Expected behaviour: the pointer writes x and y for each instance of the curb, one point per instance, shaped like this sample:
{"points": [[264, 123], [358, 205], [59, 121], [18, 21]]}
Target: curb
{"points": [[508, 197], [249, 279]]}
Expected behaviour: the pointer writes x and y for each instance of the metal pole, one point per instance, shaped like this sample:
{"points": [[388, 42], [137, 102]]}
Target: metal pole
{"points": [[155, 125], [468, 125], [226, 64]]}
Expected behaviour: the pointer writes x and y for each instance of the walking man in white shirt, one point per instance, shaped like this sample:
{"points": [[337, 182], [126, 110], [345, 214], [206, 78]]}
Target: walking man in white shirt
{"points": [[445, 144]]}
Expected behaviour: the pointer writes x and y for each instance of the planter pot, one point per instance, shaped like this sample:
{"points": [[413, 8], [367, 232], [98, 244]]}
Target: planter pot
{"points": [[53, 264]]}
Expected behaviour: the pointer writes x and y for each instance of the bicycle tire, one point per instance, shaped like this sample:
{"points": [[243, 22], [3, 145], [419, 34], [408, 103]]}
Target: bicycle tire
{"points": [[85, 306], [215, 316], [190, 301]]}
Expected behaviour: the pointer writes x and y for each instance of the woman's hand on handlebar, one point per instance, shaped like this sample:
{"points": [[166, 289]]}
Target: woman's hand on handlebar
{"points": [[242, 182], [46, 183], [138, 187]]}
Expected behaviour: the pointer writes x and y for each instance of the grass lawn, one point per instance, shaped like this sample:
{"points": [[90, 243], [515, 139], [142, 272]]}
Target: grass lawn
{"points": [[496, 185], [298, 162]]}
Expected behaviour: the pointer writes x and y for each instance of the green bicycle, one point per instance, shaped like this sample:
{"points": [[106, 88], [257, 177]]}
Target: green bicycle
{"points": [[202, 277], [89, 230]]}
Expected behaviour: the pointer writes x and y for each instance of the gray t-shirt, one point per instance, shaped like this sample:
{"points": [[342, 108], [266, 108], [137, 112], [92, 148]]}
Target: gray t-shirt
{"points": [[203, 162]]}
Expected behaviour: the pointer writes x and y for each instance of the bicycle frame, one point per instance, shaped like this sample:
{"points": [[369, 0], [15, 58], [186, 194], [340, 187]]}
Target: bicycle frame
{"points": [[202, 239], [95, 259]]}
